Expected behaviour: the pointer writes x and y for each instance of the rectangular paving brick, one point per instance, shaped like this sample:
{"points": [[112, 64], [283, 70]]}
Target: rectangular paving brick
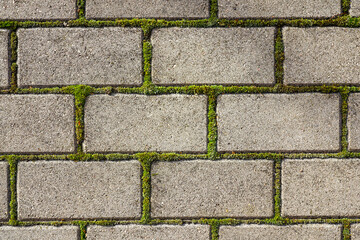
{"points": [[68, 56], [354, 122], [158, 232], [304, 122], [290, 232], [37, 123], [49, 190], [170, 9], [320, 188], [133, 123], [39, 233], [37, 10], [203, 188], [329, 55], [355, 231], [279, 8], [4, 58], [355, 8], [4, 191], [213, 56]]}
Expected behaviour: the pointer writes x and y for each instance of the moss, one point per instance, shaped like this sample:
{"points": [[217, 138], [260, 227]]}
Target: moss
{"points": [[212, 127], [214, 11], [346, 230], [13, 202], [344, 113], [279, 57], [81, 9], [147, 52], [82, 227], [345, 7], [277, 189]]}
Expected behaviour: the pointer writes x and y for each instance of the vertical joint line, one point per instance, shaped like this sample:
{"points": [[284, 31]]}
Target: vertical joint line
{"points": [[214, 9], [83, 231], [147, 55], [345, 7], [146, 189], [346, 232], [277, 187], [212, 127], [214, 227], [80, 9], [13, 195], [344, 115], [13, 60], [279, 56]]}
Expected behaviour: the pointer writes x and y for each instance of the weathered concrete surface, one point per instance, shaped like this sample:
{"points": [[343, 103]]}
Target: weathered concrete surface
{"points": [[158, 232], [203, 188], [355, 231], [50, 190], [133, 123], [37, 9], [37, 123], [355, 8], [320, 56], [4, 58], [213, 56], [353, 122], [278, 8], [39, 233], [279, 122], [320, 188], [170, 9], [4, 191], [271, 232], [68, 56]]}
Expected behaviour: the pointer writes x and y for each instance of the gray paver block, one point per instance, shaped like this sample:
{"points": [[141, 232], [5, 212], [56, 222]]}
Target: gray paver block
{"points": [[170, 9], [278, 8], [319, 56], [203, 188], [68, 56], [78, 190], [304, 122], [354, 122], [320, 188], [133, 123], [355, 231], [4, 58], [4, 191], [290, 232], [213, 56], [37, 9], [39, 233], [37, 123], [355, 8], [158, 232]]}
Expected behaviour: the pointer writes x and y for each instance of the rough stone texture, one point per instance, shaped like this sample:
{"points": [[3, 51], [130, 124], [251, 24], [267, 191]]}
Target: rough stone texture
{"points": [[4, 191], [50, 190], [170, 9], [4, 58], [278, 8], [291, 232], [133, 123], [158, 232], [92, 56], [355, 231], [354, 122], [37, 9], [39, 233], [202, 188], [37, 124], [321, 188], [319, 56], [355, 8], [213, 56], [304, 122]]}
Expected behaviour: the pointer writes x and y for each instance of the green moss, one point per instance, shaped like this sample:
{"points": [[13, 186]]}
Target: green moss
{"points": [[344, 113], [345, 6], [214, 11], [147, 51], [212, 127], [277, 186], [346, 230], [13, 202], [81, 8], [279, 57]]}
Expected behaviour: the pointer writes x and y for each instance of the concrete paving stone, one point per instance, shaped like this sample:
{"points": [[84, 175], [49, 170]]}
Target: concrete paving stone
{"points": [[49, 190], [303, 122], [37, 123], [158, 232], [354, 122], [4, 191], [203, 188], [290, 232], [213, 56], [39, 233], [169, 9], [137, 123], [37, 10], [329, 55], [278, 8], [355, 231], [355, 8], [4, 58], [68, 56], [320, 188]]}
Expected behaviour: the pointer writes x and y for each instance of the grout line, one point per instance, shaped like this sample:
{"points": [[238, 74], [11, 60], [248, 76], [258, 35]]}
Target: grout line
{"points": [[279, 56], [212, 127], [345, 7], [13, 60], [214, 227], [147, 55], [13, 199], [80, 9], [83, 231], [344, 114], [214, 10], [346, 231], [277, 189]]}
